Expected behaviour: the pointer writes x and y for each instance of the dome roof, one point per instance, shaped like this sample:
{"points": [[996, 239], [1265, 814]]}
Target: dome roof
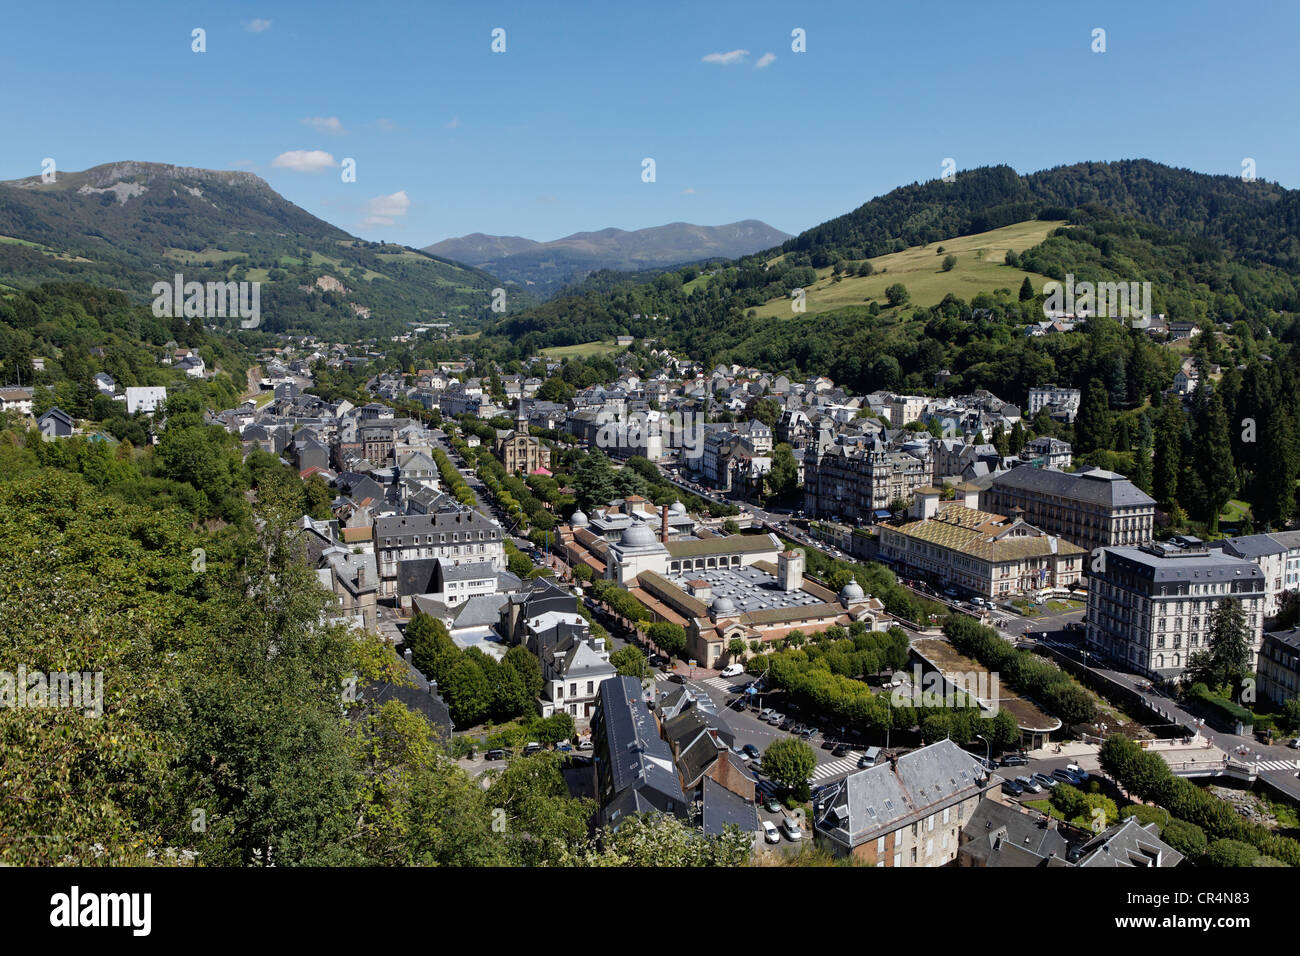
{"points": [[852, 592], [638, 536], [677, 508], [578, 520], [723, 605]]}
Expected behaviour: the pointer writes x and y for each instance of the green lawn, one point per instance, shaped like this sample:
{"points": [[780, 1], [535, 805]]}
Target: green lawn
{"points": [[980, 268], [1234, 512], [581, 351]]}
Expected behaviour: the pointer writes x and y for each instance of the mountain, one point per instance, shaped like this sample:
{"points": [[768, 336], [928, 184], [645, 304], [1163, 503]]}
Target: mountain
{"points": [[128, 225], [1214, 249], [547, 267]]}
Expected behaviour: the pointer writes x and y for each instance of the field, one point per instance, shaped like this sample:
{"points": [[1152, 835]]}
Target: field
{"points": [[980, 268], [581, 351]]}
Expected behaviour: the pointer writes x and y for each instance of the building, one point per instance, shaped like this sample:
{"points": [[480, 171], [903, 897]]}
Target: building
{"points": [[853, 483], [908, 812], [1061, 403], [55, 423], [1150, 608], [1276, 555], [457, 537], [1093, 509], [1047, 452], [148, 399], [1278, 666], [520, 452], [990, 555], [634, 766], [16, 400], [1001, 836]]}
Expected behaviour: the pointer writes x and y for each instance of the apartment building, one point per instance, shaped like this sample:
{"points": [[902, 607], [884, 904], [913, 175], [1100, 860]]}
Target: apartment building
{"points": [[856, 482], [456, 537], [1150, 608], [1278, 668], [1060, 402], [1093, 509]]}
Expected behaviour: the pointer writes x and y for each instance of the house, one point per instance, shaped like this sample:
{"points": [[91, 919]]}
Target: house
{"points": [[55, 423], [16, 400], [1001, 836], [148, 399], [634, 767], [104, 383], [907, 812]]}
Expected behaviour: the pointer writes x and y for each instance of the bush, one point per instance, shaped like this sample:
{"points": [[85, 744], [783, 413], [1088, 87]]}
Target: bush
{"points": [[1187, 838]]}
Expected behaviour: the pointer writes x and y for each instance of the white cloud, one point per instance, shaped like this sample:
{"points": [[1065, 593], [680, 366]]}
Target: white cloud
{"points": [[257, 26], [764, 60], [326, 124], [385, 210], [453, 123], [386, 125], [688, 191], [304, 160], [726, 59]]}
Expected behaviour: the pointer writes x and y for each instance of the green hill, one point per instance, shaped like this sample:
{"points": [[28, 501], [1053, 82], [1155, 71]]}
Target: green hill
{"points": [[128, 225]]}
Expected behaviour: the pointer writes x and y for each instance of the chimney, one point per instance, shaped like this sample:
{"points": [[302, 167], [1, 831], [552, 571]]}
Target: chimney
{"points": [[361, 576], [663, 525], [408, 654]]}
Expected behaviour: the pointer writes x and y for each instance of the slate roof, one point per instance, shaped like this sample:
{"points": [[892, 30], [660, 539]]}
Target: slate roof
{"points": [[722, 807], [1181, 566], [1129, 844], [637, 756], [1092, 487], [998, 836]]}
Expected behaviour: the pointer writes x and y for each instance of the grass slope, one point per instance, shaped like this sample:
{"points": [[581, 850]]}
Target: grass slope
{"points": [[980, 268]]}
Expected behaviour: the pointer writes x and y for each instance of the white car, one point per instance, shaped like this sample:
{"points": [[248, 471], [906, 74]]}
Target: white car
{"points": [[770, 833], [791, 827], [733, 670]]}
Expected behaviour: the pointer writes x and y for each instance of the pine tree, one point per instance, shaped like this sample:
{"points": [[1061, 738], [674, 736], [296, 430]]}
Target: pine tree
{"points": [[1092, 429], [1168, 454], [1214, 458], [1026, 290], [1142, 456]]}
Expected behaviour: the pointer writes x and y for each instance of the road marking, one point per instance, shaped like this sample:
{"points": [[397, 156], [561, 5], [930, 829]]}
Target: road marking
{"points": [[1278, 765]]}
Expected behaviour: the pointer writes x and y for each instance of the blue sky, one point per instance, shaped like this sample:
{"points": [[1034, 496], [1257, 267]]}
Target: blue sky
{"points": [[548, 137]]}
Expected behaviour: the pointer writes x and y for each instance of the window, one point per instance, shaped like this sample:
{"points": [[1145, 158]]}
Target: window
{"points": [[880, 845]]}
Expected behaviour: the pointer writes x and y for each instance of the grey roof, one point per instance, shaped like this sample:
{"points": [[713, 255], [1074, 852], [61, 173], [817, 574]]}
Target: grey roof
{"points": [[881, 799], [638, 758], [404, 526], [722, 807], [483, 610], [1093, 487], [1129, 844], [418, 698], [1195, 566], [1251, 546], [998, 835]]}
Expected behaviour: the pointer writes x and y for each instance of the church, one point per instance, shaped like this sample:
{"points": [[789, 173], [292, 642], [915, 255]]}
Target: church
{"points": [[519, 452]]}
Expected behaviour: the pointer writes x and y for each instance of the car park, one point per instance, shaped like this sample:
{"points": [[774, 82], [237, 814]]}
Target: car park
{"points": [[1030, 784], [770, 833]]}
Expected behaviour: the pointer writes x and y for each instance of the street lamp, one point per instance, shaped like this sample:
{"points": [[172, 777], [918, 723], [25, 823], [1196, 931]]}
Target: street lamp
{"points": [[988, 748]]}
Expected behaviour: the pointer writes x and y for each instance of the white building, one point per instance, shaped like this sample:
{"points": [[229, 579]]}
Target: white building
{"points": [[148, 399]]}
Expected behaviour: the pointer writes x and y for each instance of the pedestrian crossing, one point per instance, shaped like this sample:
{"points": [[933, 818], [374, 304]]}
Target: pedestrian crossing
{"points": [[836, 768], [1278, 765], [719, 683]]}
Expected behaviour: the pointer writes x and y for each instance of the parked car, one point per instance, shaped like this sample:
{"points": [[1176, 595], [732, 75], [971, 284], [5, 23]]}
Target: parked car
{"points": [[676, 678], [841, 750], [733, 670], [770, 833], [531, 748], [1015, 760], [750, 751], [1066, 777], [775, 718], [808, 733], [584, 744], [1295, 743], [1047, 781], [495, 754], [1078, 771], [773, 805], [829, 744], [1011, 788], [765, 713], [791, 827], [1028, 783]]}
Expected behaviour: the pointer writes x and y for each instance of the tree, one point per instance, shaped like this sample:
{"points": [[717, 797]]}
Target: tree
{"points": [[948, 262], [897, 295], [1092, 427], [1213, 457], [1168, 454], [1026, 287], [1227, 659], [669, 637], [790, 761], [467, 692], [630, 661], [736, 648]]}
